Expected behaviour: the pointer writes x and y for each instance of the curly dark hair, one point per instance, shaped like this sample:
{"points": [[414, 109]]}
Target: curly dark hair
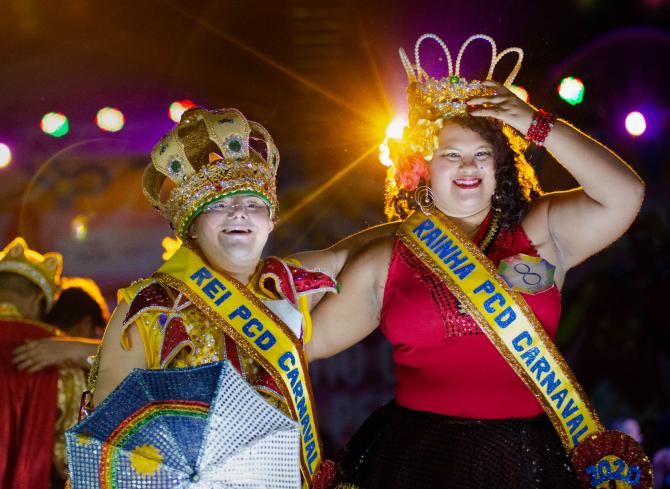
{"points": [[516, 183]]}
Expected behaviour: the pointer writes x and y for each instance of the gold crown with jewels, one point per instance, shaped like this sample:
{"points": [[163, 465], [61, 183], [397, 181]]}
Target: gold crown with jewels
{"points": [[209, 155], [431, 101], [42, 270]]}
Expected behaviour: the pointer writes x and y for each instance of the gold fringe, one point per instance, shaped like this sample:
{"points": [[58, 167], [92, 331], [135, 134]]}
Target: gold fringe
{"points": [[71, 384]]}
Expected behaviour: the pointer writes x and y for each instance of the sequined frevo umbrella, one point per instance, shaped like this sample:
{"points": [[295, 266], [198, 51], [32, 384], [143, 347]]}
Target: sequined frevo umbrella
{"points": [[201, 427]]}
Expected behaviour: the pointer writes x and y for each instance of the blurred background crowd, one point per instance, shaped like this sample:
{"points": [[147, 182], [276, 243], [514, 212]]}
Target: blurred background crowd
{"points": [[87, 88]]}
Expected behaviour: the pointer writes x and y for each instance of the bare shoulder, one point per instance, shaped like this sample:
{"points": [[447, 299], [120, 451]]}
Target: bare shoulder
{"points": [[370, 266], [535, 224], [118, 355], [536, 227], [377, 252]]}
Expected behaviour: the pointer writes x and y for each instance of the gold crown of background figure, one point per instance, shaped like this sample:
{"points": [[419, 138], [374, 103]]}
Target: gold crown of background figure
{"points": [[42, 270]]}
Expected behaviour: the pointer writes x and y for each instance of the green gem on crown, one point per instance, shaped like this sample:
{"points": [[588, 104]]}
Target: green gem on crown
{"points": [[453, 79], [175, 166], [234, 145]]}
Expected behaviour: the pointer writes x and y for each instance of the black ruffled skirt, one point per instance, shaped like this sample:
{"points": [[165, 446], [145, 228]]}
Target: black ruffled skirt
{"points": [[398, 447]]}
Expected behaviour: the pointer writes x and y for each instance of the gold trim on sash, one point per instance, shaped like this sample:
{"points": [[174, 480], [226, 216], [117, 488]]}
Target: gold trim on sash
{"points": [[258, 331]]}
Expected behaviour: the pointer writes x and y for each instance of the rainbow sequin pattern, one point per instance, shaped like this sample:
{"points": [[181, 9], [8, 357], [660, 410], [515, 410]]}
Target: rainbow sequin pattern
{"points": [[194, 427]]}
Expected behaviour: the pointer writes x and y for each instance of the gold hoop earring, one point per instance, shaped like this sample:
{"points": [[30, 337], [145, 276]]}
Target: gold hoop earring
{"points": [[423, 196]]}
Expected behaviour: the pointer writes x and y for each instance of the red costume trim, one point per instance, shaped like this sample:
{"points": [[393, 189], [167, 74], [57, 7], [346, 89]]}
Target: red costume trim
{"points": [[289, 281], [175, 338]]}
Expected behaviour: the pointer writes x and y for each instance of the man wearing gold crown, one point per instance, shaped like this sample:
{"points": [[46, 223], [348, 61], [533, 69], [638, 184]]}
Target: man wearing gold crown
{"points": [[215, 299], [467, 291], [35, 408]]}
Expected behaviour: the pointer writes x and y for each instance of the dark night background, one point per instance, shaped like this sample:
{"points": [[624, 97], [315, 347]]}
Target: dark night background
{"points": [[325, 79]]}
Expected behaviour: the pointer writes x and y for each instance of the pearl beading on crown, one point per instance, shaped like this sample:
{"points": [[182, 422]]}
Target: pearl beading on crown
{"points": [[431, 98], [417, 73]]}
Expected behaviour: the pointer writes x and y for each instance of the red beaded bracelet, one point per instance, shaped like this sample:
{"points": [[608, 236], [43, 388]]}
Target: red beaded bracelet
{"points": [[540, 127]]}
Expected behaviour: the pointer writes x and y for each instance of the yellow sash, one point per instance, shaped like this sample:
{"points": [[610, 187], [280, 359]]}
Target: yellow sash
{"points": [[507, 320], [261, 334]]}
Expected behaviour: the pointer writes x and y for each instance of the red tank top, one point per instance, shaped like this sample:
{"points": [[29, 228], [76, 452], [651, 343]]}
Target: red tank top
{"points": [[444, 363]]}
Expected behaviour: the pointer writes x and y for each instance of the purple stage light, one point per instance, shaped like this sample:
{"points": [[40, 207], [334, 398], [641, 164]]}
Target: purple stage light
{"points": [[5, 155]]}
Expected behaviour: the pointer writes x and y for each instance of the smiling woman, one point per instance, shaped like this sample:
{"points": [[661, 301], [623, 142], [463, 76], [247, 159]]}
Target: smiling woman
{"points": [[467, 292]]}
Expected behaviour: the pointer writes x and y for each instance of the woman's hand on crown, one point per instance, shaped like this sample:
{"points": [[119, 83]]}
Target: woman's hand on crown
{"points": [[504, 105]]}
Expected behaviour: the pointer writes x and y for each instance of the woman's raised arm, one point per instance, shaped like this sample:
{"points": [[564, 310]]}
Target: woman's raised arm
{"points": [[584, 220]]}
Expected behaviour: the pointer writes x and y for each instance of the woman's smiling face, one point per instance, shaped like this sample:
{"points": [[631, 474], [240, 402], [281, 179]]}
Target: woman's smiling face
{"points": [[462, 172]]}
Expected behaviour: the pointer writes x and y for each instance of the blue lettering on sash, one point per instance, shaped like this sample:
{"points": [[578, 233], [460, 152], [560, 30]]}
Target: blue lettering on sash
{"points": [[551, 382], [529, 355], [308, 435], [540, 366], [212, 287], [306, 425], [424, 226], [286, 362], [223, 297], [286, 357], [569, 409], [455, 259], [200, 275], [486, 286], [294, 375], [574, 423], [464, 271], [251, 328], [506, 317], [524, 335], [310, 447], [253, 323], [265, 341], [559, 397], [311, 455], [445, 249], [241, 311], [302, 407], [579, 434], [497, 297], [430, 237], [438, 242], [297, 390]]}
